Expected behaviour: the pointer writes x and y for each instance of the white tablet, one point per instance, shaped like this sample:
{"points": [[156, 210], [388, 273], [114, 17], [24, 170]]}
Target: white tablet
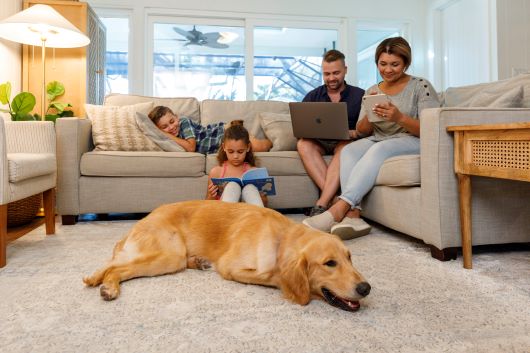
{"points": [[370, 101]]}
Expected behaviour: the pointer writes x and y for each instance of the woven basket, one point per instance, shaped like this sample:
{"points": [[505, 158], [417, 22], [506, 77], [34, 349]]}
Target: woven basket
{"points": [[23, 211]]}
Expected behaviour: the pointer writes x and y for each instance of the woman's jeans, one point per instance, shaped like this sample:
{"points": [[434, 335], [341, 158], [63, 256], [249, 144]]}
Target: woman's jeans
{"points": [[361, 160]]}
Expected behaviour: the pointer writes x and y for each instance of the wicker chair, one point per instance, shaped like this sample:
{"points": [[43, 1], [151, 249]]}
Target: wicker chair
{"points": [[28, 167]]}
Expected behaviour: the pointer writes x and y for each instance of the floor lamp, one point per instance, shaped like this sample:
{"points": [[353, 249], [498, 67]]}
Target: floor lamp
{"points": [[43, 26]]}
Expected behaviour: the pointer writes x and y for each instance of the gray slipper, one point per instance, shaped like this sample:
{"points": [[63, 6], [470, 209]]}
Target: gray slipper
{"points": [[351, 228]]}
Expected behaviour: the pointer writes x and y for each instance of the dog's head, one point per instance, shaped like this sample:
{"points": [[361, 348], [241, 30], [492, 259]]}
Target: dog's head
{"points": [[321, 267]]}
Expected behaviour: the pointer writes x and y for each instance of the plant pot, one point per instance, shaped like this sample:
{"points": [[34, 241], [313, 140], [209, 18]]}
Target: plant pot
{"points": [[23, 211]]}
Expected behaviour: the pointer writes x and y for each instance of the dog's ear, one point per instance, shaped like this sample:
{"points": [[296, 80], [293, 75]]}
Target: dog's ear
{"points": [[294, 282]]}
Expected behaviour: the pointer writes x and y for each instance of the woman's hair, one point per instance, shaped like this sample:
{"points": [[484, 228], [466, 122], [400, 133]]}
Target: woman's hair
{"points": [[396, 46], [236, 131], [158, 112]]}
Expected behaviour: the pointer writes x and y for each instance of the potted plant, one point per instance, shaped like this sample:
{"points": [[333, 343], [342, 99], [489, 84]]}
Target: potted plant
{"points": [[21, 106], [23, 211]]}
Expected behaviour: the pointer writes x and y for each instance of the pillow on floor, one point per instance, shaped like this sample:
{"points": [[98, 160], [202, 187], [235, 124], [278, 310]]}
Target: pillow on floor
{"points": [[156, 135], [114, 128], [279, 129]]}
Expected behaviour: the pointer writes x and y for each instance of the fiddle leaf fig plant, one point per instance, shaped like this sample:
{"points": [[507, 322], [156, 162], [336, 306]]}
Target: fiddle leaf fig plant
{"points": [[24, 102]]}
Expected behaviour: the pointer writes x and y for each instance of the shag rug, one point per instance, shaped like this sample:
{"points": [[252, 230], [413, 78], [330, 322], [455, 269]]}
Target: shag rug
{"points": [[417, 304]]}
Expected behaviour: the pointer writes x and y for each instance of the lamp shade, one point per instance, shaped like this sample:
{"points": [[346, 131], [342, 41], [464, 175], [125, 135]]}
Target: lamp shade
{"points": [[42, 22]]}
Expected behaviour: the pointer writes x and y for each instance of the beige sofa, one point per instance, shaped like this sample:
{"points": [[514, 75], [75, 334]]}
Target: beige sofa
{"points": [[416, 195]]}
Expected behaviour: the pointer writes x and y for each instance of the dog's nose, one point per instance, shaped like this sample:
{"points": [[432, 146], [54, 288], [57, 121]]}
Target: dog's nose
{"points": [[363, 288]]}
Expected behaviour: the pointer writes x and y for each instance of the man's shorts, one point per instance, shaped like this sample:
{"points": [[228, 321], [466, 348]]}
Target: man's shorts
{"points": [[328, 145]]}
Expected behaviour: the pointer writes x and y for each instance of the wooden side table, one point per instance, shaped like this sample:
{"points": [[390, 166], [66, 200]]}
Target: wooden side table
{"points": [[495, 151]]}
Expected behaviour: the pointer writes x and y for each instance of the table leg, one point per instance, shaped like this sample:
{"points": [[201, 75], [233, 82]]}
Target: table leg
{"points": [[464, 188]]}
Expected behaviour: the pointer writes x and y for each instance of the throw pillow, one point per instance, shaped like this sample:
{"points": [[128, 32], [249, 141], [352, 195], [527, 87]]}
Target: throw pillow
{"points": [[147, 126], [498, 98], [115, 129], [279, 129]]}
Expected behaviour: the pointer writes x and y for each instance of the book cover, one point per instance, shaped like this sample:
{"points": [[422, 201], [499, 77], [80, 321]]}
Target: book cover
{"points": [[257, 176]]}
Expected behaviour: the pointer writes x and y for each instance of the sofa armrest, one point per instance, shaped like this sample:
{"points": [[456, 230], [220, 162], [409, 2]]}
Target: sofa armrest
{"points": [[439, 188], [74, 138], [22, 137]]}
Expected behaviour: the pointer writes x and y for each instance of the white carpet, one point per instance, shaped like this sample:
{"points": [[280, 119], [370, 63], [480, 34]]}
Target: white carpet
{"points": [[417, 304]]}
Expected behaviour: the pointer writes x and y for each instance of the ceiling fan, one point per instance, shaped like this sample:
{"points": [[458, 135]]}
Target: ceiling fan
{"points": [[217, 40]]}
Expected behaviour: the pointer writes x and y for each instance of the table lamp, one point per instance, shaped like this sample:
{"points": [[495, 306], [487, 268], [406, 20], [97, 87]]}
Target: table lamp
{"points": [[42, 25]]}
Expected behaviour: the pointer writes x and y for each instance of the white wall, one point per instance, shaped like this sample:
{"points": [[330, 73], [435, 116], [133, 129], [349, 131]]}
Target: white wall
{"points": [[348, 12], [513, 35], [10, 53]]}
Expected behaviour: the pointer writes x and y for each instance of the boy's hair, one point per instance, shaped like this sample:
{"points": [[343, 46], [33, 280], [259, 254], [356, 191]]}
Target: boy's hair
{"points": [[158, 112], [395, 46], [333, 55], [236, 131]]}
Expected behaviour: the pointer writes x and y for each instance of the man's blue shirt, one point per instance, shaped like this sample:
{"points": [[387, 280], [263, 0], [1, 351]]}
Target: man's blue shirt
{"points": [[351, 95]]}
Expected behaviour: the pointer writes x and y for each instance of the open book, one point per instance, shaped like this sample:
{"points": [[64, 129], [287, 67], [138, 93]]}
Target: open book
{"points": [[257, 176]]}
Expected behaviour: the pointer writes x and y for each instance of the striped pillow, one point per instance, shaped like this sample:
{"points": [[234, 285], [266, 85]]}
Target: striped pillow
{"points": [[114, 128]]}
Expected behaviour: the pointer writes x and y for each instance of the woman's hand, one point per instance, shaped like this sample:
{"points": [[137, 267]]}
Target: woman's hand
{"points": [[389, 112]]}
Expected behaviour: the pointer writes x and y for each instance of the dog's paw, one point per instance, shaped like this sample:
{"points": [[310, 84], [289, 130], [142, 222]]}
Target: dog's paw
{"points": [[202, 264], [108, 293], [89, 281]]}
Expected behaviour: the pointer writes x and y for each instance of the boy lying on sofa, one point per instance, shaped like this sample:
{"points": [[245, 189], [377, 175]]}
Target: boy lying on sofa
{"points": [[194, 137]]}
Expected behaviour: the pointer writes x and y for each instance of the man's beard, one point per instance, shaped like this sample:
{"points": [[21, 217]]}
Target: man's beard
{"points": [[334, 85]]}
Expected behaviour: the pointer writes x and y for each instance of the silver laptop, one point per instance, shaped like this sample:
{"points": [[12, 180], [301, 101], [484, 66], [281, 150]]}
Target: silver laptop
{"points": [[321, 120]]}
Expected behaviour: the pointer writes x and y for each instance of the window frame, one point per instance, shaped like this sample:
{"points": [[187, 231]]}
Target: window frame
{"points": [[104, 12]]}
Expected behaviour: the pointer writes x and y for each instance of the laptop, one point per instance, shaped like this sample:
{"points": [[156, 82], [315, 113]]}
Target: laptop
{"points": [[320, 120]]}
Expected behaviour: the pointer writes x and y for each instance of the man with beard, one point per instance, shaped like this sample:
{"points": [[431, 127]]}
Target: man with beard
{"points": [[335, 89]]}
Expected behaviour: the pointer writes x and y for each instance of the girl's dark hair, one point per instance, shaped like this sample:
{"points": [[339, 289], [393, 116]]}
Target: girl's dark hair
{"points": [[158, 112], [395, 46], [236, 131]]}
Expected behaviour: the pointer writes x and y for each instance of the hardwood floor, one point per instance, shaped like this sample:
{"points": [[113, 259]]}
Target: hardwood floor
{"points": [[13, 233]]}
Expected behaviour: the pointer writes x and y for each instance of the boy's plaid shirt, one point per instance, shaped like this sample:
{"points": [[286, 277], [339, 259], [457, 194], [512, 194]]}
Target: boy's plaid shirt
{"points": [[208, 137]]}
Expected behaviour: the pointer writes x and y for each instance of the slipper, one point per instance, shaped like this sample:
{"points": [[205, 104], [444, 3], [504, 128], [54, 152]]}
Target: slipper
{"points": [[322, 222], [351, 228]]}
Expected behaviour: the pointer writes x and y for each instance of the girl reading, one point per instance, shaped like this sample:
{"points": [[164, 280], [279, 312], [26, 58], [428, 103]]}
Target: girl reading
{"points": [[235, 157]]}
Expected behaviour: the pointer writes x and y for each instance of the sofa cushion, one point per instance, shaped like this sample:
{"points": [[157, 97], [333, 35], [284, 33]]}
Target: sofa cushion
{"points": [[22, 166], [213, 111], [114, 128], [182, 106], [279, 130], [468, 96], [400, 171], [142, 164], [156, 135]]}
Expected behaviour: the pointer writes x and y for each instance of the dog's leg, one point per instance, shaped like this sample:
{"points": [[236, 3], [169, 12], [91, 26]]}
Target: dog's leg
{"points": [[146, 266], [198, 263]]}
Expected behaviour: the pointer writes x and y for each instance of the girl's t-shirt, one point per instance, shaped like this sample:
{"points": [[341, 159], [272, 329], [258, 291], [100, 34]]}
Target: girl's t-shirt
{"points": [[208, 137]]}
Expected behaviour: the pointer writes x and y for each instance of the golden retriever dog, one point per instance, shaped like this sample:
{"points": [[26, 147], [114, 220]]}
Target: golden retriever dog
{"points": [[244, 243]]}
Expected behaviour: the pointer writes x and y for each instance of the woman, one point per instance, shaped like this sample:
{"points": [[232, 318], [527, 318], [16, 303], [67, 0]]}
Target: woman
{"points": [[396, 133]]}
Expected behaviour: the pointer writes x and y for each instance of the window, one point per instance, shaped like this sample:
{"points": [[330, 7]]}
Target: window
{"points": [[287, 61], [203, 61], [117, 52], [367, 41]]}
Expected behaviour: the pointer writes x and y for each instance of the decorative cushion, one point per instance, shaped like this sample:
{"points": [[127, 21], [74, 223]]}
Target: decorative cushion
{"points": [[504, 92], [278, 128], [147, 126], [114, 128], [512, 98], [187, 106]]}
